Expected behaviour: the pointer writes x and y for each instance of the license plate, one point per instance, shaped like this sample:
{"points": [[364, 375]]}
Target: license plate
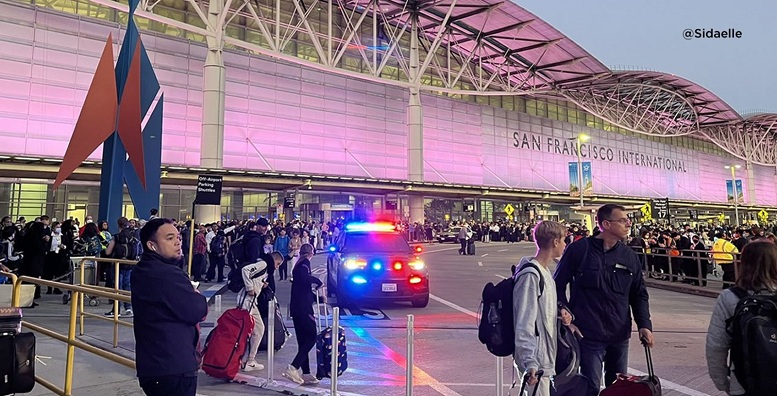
{"points": [[389, 287]]}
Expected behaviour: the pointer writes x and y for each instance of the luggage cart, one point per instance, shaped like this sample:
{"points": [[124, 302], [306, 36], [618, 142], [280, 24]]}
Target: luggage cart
{"points": [[90, 278]]}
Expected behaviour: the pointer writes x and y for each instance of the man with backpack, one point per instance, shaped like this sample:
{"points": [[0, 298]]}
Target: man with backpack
{"points": [[218, 249], [606, 288], [124, 245]]}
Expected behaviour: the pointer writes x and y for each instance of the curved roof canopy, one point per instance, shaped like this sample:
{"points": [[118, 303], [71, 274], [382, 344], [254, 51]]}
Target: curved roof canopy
{"points": [[500, 36], [651, 102]]}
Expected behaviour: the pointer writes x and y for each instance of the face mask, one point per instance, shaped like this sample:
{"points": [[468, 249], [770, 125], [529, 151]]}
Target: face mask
{"points": [[58, 230], [88, 221]]}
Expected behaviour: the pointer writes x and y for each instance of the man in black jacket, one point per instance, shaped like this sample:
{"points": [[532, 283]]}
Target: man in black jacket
{"points": [[168, 311], [606, 285]]}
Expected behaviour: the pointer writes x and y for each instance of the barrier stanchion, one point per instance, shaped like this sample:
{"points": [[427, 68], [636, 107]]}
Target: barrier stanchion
{"points": [[217, 302], [500, 376], [409, 363], [335, 349], [270, 340]]}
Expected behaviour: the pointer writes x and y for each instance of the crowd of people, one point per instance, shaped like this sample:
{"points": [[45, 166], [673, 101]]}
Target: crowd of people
{"points": [[603, 273]]}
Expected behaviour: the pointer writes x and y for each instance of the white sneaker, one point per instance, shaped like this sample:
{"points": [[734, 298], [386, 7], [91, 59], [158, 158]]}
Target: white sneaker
{"points": [[252, 365], [293, 375], [309, 379], [128, 313]]}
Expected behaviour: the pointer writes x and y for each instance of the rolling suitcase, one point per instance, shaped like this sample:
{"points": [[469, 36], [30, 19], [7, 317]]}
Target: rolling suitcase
{"points": [[281, 332], [632, 385], [324, 347], [471, 247], [17, 354], [226, 344]]}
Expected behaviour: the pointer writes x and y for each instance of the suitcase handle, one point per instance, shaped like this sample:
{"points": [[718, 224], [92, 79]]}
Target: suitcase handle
{"points": [[539, 374], [649, 356]]}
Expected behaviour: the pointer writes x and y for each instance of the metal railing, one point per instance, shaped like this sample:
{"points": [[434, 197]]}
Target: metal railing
{"points": [[692, 266], [77, 292], [117, 263]]}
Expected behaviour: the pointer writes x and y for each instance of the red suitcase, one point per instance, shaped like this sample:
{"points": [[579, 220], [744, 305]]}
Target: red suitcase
{"points": [[632, 385], [226, 343]]}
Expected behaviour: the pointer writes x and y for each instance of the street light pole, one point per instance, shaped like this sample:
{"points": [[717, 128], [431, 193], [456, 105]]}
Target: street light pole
{"points": [[579, 172]]}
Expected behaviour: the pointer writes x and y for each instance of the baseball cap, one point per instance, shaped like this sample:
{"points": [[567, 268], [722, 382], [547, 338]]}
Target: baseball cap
{"points": [[262, 222]]}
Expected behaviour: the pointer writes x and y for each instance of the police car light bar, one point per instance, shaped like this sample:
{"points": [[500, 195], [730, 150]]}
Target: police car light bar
{"points": [[385, 227]]}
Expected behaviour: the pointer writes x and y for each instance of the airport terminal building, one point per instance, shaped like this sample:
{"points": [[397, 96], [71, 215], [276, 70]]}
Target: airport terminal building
{"points": [[373, 105]]}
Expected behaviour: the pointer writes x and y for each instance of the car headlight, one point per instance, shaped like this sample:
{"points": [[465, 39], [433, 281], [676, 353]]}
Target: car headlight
{"points": [[354, 264]]}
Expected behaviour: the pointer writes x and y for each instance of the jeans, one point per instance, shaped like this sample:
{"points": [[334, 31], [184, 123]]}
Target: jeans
{"points": [[124, 281], [594, 354]]}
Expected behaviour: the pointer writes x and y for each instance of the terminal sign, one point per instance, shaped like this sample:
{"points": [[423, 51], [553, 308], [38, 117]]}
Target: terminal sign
{"points": [[289, 201], [509, 210], [660, 208], [208, 190]]}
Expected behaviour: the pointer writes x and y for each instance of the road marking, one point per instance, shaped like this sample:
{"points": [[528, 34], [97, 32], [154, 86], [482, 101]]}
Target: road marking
{"points": [[484, 255], [665, 383], [502, 250], [671, 385], [454, 306], [420, 376], [500, 276], [480, 263]]}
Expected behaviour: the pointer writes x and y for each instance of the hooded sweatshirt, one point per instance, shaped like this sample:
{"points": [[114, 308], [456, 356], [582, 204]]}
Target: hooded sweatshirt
{"points": [[534, 318]]}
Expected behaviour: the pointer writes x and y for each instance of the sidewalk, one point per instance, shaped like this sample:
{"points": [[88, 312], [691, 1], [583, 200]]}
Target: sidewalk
{"points": [[98, 376]]}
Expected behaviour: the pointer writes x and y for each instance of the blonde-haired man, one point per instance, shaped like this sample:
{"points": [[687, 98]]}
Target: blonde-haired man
{"points": [[535, 308]]}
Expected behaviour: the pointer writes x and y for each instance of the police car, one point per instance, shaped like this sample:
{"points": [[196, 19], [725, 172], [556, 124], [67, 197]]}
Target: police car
{"points": [[372, 261]]}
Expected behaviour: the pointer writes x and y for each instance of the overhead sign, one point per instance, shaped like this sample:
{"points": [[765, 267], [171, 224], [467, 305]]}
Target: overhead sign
{"points": [[391, 205], [693, 214], [209, 190], [660, 208], [509, 210], [289, 201], [469, 206]]}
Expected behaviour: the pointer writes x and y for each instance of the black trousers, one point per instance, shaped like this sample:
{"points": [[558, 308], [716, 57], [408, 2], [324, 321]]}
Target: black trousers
{"points": [[216, 262], [283, 270], [197, 264], [305, 329], [169, 386], [729, 275]]}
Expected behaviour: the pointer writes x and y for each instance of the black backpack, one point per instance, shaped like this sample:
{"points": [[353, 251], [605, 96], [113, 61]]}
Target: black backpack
{"points": [[217, 245], [238, 258], [496, 328], [127, 246], [753, 329]]}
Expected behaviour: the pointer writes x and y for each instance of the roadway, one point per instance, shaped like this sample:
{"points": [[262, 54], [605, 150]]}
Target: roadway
{"points": [[449, 359]]}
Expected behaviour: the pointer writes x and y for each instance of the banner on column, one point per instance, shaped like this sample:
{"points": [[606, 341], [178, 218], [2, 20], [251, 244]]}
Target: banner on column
{"points": [[574, 179], [730, 191]]}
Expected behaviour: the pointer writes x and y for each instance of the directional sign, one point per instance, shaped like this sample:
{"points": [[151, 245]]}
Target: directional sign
{"points": [[660, 208], [509, 210], [208, 190]]}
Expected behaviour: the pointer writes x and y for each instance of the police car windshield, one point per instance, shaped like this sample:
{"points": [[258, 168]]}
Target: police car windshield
{"points": [[375, 242]]}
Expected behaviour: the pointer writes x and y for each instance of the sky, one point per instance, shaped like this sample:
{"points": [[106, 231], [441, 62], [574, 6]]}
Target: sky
{"points": [[646, 34]]}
